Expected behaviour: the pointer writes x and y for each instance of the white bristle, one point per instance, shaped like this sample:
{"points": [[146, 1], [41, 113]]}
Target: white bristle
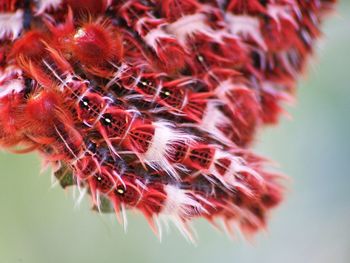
{"points": [[154, 36], [44, 5], [178, 207], [187, 26], [161, 146], [212, 119], [246, 26], [11, 24]]}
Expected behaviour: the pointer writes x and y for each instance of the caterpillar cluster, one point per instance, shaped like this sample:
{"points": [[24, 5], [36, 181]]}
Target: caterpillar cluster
{"points": [[153, 105]]}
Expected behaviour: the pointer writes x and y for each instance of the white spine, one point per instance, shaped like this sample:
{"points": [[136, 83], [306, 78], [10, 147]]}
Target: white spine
{"points": [[154, 36], [11, 24], [279, 11], [224, 88], [162, 145], [246, 26], [14, 86], [180, 203], [233, 171], [43, 5], [180, 206], [212, 119], [10, 82], [186, 26]]}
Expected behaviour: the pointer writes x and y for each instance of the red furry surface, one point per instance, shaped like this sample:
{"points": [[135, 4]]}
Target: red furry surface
{"points": [[153, 105]]}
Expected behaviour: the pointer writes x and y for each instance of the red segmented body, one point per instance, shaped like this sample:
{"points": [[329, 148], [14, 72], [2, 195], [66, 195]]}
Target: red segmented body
{"points": [[152, 105]]}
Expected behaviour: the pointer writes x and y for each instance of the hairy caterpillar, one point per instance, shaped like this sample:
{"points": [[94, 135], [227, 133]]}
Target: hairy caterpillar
{"points": [[153, 105]]}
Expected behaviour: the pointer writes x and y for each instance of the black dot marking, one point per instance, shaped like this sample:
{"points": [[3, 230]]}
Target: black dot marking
{"points": [[200, 58], [107, 120], [28, 87], [165, 93], [84, 103], [120, 190]]}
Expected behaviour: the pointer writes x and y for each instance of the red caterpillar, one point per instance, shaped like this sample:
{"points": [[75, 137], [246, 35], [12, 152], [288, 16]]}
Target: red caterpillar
{"points": [[152, 105]]}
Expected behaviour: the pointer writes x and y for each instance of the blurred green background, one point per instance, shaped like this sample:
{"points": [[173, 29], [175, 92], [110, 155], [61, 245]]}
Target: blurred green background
{"points": [[39, 224]]}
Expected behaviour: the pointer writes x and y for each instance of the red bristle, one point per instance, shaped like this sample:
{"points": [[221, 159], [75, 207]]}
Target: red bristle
{"points": [[93, 44]]}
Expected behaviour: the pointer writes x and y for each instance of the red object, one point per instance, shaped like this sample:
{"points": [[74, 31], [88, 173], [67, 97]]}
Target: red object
{"points": [[153, 105]]}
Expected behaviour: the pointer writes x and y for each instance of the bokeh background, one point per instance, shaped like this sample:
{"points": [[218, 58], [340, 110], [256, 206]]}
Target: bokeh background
{"points": [[40, 224]]}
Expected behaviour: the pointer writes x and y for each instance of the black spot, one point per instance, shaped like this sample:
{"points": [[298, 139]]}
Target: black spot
{"points": [[263, 2], [256, 60], [27, 14], [107, 120], [84, 103], [120, 190], [165, 93], [28, 88]]}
